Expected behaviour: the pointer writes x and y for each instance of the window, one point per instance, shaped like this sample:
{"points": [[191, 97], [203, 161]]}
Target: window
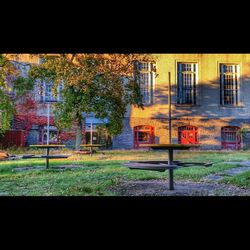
{"points": [[229, 84], [47, 94], [53, 134], [187, 83], [231, 138], [97, 135], [143, 135], [146, 79], [188, 135]]}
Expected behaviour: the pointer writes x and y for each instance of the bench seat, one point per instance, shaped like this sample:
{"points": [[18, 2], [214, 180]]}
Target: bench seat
{"points": [[55, 156], [149, 166]]}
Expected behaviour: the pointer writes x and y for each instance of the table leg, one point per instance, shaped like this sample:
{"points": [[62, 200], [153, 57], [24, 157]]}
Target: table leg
{"points": [[171, 179], [171, 171], [170, 156], [47, 159]]}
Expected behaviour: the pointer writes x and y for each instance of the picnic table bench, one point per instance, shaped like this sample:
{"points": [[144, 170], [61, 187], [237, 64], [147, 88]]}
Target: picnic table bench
{"points": [[47, 156], [163, 165]]}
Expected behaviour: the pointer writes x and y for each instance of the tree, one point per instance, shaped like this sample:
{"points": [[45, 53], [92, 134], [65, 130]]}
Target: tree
{"points": [[12, 87], [102, 84]]}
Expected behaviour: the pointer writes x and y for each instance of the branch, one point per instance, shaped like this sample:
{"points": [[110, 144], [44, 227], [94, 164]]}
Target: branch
{"points": [[72, 58]]}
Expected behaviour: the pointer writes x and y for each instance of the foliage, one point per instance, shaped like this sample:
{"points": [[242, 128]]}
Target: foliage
{"points": [[12, 87], [241, 180], [6, 111], [22, 86], [102, 84]]}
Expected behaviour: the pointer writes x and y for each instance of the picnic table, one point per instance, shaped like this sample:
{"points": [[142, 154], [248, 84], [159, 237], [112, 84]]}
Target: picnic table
{"points": [[169, 164], [47, 156], [91, 146]]}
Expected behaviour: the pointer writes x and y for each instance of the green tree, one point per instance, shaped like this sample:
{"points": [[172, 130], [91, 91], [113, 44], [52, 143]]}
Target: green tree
{"points": [[102, 84], [12, 87]]}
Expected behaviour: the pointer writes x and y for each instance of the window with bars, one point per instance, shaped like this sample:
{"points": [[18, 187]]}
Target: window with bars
{"points": [[230, 137], [145, 74], [187, 83], [229, 84]]}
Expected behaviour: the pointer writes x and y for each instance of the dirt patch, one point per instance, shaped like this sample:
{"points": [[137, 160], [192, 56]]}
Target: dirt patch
{"points": [[182, 188]]}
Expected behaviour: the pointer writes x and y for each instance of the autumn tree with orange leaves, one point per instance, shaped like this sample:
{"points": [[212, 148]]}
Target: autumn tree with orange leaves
{"points": [[102, 84]]}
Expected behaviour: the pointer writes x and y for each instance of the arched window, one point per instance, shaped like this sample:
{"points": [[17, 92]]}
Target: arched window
{"points": [[188, 135], [143, 135], [230, 138]]}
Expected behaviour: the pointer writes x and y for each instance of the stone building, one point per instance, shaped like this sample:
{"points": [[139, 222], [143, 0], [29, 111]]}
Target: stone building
{"points": [[30, 122], [210, 102]]}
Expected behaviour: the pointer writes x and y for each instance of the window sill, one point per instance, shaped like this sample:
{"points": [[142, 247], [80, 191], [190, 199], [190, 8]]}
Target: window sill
{"points": [[231, 106], [186, 105]]}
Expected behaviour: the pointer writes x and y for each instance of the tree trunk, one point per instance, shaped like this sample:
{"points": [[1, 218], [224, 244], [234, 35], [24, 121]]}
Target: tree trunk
{"points": [[78, 135]]}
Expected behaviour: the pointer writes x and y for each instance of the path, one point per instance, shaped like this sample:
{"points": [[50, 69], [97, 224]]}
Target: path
{"points": [[243, 167], [208, 186]]}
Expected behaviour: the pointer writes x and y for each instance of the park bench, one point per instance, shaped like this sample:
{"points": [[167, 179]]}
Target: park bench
{"points": [[47, 157], [162, 166], [4, 156]]}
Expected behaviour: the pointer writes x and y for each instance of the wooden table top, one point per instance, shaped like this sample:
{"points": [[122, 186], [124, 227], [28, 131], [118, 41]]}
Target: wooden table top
{"points": [[91, 145], [47, 146], [170, 146]]}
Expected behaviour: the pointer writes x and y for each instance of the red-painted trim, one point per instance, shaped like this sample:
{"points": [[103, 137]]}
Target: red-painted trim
{"points": [[188, 135], [147, 129], [230, 139]]}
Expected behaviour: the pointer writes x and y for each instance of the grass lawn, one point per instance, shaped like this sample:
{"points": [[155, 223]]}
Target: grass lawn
{"points": [[241, 180], [102, 171]]}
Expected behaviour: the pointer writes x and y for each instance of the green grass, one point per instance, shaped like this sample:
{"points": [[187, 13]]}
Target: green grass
{"points": [[241, 180], [100, 172]]}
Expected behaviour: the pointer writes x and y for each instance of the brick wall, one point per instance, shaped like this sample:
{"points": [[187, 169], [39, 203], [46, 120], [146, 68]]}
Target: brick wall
{"points": [[209, 130]]}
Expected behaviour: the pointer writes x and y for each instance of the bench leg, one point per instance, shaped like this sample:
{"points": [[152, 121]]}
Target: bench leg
{"points": [[171, 171], [171, 179], [47, 159]]}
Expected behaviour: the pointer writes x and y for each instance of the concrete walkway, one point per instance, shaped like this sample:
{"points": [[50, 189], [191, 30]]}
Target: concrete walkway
{"points": [[243, 167]]}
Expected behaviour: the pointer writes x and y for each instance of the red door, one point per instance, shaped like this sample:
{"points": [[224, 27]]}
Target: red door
{"points": [[143, 135], [188, 135], [230, 138]]}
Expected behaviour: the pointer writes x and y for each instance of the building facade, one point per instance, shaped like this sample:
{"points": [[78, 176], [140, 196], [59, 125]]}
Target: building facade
{"points": [[210, 102], [35, 115]]}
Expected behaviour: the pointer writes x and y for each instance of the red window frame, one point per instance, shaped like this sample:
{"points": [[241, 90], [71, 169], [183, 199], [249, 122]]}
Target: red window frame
{"points": [[230, 139], [188, 135], [149, 131]]}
